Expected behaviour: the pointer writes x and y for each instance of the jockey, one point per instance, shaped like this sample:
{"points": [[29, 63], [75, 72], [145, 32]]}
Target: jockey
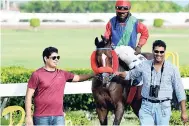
{"points": [[123, 28]]}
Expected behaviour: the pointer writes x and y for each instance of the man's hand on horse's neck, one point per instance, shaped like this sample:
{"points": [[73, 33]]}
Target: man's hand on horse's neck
{"points": [[121, 74]]}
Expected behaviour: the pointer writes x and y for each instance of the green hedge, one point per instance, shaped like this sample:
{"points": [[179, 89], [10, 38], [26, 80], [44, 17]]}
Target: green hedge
{"points": [[35, 22], [16, 74], [4, 121], [158, 22], [184, 71], [97, 20], [141, 20], [176, 118], [78, 117]]}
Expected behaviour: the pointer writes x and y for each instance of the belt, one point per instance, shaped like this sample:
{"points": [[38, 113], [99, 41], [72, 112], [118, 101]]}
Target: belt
{"points": [[155, 101]]}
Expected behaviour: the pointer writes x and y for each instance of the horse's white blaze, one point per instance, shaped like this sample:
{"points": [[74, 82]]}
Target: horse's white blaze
{"points": [[104, 60]]}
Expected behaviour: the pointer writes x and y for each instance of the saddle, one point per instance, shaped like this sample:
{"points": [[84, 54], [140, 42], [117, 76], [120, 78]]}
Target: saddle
{"points": [[135, 91]]}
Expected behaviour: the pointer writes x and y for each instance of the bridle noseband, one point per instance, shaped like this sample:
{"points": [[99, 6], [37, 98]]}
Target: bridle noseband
{"points": [[105, 78]]}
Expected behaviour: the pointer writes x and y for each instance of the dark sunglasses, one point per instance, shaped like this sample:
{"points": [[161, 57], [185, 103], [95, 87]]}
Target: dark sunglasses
{"points": [[55, 57], [156, 51], [122, 8]]}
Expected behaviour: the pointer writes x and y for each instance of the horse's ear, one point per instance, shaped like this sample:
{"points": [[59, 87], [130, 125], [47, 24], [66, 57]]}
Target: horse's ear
{"points": [[96, 41], [102, 37]]}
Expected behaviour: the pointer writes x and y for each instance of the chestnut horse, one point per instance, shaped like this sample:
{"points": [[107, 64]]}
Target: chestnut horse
{"points": [[111, 92]]}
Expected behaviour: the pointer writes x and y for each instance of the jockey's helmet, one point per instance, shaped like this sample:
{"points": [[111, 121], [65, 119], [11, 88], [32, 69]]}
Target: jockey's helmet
{"points": [[122, 6]]}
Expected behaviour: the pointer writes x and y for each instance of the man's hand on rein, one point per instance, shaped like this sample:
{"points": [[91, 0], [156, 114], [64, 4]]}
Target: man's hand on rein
{"points": [[138, 50], [121, 74]]}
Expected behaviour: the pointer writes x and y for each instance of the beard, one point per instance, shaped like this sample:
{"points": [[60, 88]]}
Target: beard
{"points": [[121, 19]]}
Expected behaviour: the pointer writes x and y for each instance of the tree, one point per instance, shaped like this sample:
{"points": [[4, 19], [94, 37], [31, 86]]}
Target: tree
{"points": [[97, 6], [186, 8], [1, 4]]}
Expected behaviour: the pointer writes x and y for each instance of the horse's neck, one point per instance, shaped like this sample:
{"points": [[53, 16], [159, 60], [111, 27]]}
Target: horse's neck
{"points": [[122, 66], [121, 69]]}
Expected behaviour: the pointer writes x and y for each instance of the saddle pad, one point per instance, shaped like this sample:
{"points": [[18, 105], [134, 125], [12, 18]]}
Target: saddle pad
{"points": [[131, 94]]}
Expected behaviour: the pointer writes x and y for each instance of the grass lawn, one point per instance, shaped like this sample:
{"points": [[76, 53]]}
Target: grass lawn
{"points": [[24, 47], [129, 118]]}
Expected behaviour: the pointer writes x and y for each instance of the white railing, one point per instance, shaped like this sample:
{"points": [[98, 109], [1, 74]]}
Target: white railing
{"points": [[12, 18], [8, 90]]}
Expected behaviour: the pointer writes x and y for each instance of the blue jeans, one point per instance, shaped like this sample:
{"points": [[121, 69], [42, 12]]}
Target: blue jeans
{"points": [[155, 113], [48, 120]]}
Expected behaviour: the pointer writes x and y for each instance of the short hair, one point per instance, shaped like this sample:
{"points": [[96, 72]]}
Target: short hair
{"points": [[159, 43], [48, 51]]}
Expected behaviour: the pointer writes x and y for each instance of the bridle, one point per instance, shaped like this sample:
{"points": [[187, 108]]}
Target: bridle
{"points": [[105, 78], [104, 48]]}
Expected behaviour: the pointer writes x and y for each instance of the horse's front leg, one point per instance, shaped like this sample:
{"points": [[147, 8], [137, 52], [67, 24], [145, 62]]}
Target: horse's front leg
{"points": [[119, 111], [136, 104], [116, 93], [102, 115]]}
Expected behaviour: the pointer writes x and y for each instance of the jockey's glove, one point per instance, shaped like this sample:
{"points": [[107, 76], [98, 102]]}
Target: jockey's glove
{"points": [[137, 50]]}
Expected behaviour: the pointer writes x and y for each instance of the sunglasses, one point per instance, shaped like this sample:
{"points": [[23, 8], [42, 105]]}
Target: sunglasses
{"points": [[122, 8], [161, 52], [55, 57]]}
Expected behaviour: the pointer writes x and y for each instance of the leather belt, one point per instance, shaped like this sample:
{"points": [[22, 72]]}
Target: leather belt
{"points": [[155, 101]]}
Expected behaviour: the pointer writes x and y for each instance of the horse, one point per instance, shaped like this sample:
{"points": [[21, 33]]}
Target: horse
{"points": [[111, 92]]}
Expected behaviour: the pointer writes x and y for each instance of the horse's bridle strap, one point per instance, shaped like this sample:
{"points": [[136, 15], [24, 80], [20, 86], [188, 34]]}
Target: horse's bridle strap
{"points": [[103, 48]]}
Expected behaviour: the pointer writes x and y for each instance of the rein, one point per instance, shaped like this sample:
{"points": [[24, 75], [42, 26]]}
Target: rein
{"points": [[103, 48], [100, 77], [105, 78]]}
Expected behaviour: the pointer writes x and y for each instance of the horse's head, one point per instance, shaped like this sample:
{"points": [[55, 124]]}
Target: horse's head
{"points": [[104, 60], [103, 52]]}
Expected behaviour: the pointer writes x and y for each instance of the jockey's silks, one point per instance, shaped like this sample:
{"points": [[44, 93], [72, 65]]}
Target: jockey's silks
{"points": [[124, 34]]}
